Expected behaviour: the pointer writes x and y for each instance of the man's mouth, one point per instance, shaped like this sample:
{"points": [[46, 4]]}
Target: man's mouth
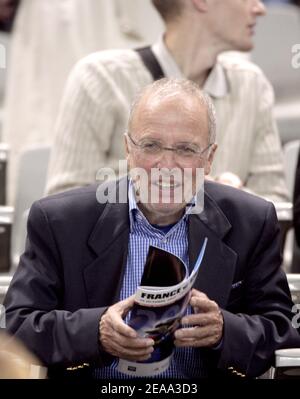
{"points": [[166, 185], [252, 27]]}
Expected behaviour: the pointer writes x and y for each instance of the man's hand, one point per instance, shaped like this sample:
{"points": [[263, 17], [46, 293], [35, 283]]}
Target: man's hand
{"points": [[120, 340], [206, 324]]}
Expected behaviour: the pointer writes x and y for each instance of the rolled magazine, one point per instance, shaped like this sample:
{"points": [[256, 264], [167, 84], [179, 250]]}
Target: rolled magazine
{"points": [[160, 302]]}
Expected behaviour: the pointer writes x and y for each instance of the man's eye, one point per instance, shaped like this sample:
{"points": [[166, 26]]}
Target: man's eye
{"points": [[150, 146], [186, 151]]}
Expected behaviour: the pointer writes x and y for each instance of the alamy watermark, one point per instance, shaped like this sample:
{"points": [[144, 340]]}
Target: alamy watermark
{"points": [[296, 318], [296, 57], [155, 186]]}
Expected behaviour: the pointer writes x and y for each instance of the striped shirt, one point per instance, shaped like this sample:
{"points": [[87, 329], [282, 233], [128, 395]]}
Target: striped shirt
{"points": [[186, 362]]}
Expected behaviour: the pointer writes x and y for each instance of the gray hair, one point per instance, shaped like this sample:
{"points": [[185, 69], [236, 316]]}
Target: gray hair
{"points": [[166, 87]]}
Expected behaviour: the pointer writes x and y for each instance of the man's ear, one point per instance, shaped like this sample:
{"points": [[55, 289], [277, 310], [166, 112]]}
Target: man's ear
{"points": [[126, 146], [210, 159], [200, 5], [127, 152]]}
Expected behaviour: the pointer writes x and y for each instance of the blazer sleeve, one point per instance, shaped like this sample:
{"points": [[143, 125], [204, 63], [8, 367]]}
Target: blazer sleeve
{"points": [[34, 304], [251, 338]]}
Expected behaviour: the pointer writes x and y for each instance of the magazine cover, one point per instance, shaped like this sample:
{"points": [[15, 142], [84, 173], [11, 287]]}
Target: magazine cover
{"points": [[160, 302]]}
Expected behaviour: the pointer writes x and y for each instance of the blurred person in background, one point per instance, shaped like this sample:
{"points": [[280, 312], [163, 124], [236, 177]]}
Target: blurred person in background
{"points": [[48, 37], [16, 362], [101, 87]]}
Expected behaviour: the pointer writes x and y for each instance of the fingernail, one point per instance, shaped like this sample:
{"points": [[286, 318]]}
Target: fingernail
{"points": [[150, 342]]}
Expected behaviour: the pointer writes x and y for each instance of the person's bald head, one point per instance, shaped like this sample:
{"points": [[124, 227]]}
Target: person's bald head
{"points": [[183, 93]]}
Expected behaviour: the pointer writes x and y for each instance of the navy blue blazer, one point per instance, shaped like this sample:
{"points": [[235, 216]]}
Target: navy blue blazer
{"points": [[73, 267]]}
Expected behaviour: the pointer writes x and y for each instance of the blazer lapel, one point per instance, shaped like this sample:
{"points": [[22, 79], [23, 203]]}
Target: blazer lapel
{"points": [[218, 266], [109, 240]]}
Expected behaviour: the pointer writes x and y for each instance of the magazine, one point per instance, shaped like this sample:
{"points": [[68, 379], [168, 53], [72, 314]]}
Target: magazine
{"points": [[160, 302]]}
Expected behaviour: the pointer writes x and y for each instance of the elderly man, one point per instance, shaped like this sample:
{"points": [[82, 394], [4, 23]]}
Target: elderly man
{"points": [[84, 258], [99, 92]]}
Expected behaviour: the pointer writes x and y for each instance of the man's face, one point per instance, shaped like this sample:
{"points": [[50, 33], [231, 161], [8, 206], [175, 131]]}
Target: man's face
{"points": [[177, 121], [233, 22]]}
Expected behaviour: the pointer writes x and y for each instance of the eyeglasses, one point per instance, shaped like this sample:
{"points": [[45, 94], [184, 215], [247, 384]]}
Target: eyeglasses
{"points": [[153, 148]]}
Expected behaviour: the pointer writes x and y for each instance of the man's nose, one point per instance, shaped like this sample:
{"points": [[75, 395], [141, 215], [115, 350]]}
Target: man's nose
{"points": [[167, 159], [259, 8]]}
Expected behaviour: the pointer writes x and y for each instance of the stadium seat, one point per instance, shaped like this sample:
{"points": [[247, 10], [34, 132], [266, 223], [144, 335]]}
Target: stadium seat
{"points": [[276, 35], [30, 187]]}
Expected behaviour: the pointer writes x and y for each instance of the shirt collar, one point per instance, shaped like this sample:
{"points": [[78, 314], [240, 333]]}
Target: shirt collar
{"points": [[132, 204], [216, 85], [165, 59]]}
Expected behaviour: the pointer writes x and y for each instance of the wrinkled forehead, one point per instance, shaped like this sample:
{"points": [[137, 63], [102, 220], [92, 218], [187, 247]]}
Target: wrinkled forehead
{"points": [[172, 112]]}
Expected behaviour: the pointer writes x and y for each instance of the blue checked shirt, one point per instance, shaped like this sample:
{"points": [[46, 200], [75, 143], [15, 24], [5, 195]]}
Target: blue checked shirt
{"points": [[186, 362]]}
